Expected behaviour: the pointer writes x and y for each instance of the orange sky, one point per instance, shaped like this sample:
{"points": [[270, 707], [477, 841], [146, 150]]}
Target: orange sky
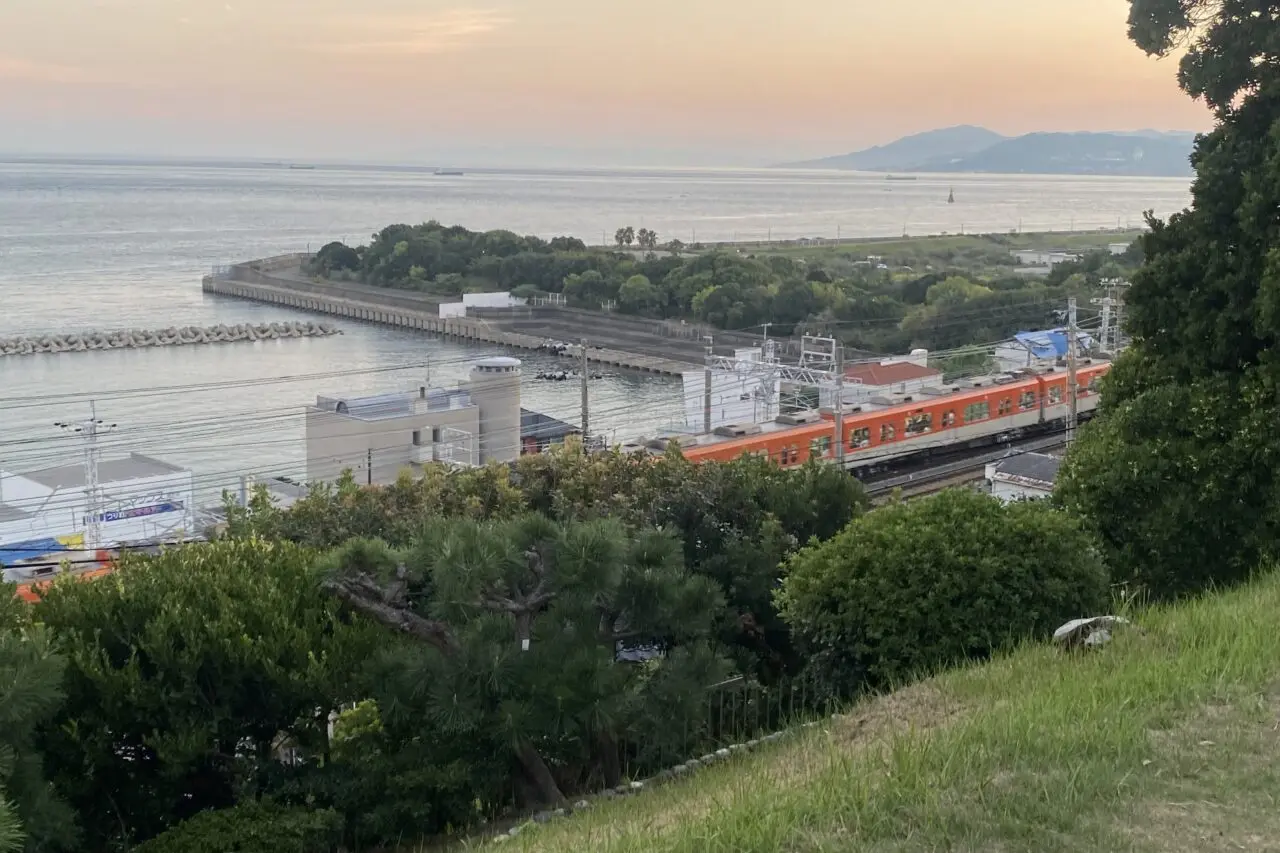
{"points": [[728, 81]]}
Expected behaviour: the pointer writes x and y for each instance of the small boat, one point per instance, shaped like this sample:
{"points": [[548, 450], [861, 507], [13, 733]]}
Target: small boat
{"points": [[951, 196], [302, 168], [901, 178], [448, 172]]}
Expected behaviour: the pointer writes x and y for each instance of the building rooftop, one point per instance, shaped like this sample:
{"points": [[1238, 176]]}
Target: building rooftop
{"points": [[1029, 468], [12, 513], [133, 467], [889, 374], [1050, 343], [537, 425], [400, 404]]}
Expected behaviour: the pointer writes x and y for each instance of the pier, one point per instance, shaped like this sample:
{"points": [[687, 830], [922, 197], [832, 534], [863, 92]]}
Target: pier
{"points": [[627, 343], [395, 310]]}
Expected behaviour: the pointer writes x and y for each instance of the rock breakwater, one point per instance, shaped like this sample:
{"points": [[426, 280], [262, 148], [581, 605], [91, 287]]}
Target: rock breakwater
{"points": [[170, 337]]}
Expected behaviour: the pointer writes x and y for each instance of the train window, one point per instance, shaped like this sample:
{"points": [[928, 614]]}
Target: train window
{"points": [[949, 418], [860, 437], [792, 453], [1027, 400], [1005, 407], [975, 412], [887, 432], [1055, 395], [918, 423], [820, 445]]}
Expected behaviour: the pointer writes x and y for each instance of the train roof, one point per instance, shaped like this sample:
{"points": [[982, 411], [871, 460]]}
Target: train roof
{"points": [[956, 392]]}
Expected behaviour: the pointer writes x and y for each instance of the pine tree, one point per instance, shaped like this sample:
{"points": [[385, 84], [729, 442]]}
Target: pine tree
{"points": [[32, 818], [524, 621]]}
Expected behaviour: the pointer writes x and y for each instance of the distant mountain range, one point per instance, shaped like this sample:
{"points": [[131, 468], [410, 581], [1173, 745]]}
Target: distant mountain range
{"points": [[975, 149]]}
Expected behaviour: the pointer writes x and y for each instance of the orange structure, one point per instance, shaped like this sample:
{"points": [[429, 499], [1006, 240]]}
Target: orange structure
{"points": [[931, 421]]}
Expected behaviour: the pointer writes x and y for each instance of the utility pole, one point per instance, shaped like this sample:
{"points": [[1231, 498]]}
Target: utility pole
{"points": [[368, 466], [586, 412], [89, 430], [1072, 388], [764, 339], [706, 388], [839, 418]]}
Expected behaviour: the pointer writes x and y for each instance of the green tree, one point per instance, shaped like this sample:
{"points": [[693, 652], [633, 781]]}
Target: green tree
{"points": [[190, 677], [638, 296], [931, 582], [523, 620], [1187, 426], [32, 817]]}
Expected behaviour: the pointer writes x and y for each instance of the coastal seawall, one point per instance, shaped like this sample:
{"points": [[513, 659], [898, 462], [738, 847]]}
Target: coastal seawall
{"points": [[668, 347], [407, 312]]}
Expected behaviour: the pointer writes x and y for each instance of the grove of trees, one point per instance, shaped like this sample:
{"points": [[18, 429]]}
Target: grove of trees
{"points": [[1179, 476], [870, 307]]}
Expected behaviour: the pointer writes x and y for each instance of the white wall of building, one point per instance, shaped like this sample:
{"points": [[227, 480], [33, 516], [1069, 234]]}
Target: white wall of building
{"points": [[160, 507], [493, 299], [745, 395], [1009, 492]]}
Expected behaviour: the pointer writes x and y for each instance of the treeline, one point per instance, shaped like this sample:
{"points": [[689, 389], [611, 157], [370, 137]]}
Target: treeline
{"points": [[374, 665], [887, 310]]}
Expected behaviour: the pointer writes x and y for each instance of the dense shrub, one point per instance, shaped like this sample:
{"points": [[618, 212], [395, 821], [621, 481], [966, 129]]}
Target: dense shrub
{"points": [[918, 585], [190, 678], [252, 827]]}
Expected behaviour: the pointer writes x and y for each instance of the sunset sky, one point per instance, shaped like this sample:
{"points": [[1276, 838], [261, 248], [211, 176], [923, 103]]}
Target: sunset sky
{"points": [[527, 82]]}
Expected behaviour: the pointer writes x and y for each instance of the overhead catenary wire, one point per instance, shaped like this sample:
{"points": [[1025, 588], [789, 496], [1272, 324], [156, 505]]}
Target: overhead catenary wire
{"points": [[178, 438], [151, 547]]}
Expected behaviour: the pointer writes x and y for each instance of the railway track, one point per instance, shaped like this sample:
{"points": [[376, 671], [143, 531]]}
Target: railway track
{"points": [[956, 473]]}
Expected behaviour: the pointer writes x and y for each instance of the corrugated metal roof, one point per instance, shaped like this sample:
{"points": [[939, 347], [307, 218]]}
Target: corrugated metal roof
{"points": [[1035, 467], [133, 467]]}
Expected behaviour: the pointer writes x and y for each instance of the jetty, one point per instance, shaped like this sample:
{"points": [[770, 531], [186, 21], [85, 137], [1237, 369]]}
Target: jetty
{"points": [[170, 337], [630, 343]]}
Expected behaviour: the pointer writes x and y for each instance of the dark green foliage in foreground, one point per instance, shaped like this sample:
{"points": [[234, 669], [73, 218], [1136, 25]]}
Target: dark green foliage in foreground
{"points": [[915, 586], [252, 827], [1179, 474], [190, 677], [32, 817]]}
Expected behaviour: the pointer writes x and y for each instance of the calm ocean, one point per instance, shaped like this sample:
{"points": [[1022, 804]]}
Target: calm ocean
{"points": [[103, 246]]}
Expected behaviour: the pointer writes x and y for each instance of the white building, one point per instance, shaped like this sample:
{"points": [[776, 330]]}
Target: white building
{"points": [[496, 299], [140, 500], [377, 437], [1042, 257], [747, 394], [1117, 248], [1023, 476]]}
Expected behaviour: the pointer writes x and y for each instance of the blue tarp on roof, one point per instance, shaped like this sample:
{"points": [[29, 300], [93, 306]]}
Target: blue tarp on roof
{"points": [[31, 549], [1051, 343]]}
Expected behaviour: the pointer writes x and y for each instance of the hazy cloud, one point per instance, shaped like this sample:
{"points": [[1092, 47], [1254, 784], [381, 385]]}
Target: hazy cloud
{"points": [[31, 71], [411, 35]]}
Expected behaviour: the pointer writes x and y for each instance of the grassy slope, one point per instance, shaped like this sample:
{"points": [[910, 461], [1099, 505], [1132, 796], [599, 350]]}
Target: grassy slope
{"points": [[1164, 741]]}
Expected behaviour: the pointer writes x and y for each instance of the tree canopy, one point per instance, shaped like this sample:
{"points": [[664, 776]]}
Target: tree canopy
{"points": [[1178, 475], [918, 585], [870, 307]]}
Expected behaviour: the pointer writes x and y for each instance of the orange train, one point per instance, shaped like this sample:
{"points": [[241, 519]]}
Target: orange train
{"points": [[928, 422]]}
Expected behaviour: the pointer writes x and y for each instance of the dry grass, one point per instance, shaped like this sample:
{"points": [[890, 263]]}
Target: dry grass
{"points": [[1167, 740]]}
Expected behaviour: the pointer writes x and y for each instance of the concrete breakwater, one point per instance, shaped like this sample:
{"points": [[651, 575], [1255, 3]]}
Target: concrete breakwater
{"points": [[172, 336], [394, 310]]}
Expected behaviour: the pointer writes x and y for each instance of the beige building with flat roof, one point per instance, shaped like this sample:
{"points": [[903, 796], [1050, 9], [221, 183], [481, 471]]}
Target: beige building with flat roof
{"points": [[377, 437]]}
